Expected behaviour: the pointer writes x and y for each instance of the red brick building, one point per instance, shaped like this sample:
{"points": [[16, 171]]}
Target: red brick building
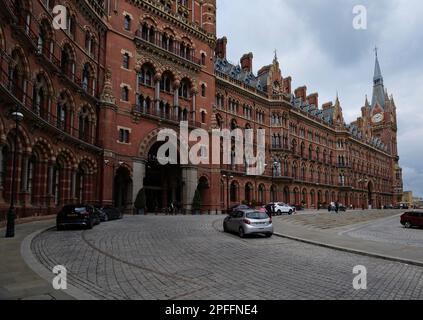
{"points": [[95, 95]]}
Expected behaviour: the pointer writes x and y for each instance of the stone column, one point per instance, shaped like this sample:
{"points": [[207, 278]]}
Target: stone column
{"points": [[139, 171], [194, 104], [157, 78], [190, 181]]}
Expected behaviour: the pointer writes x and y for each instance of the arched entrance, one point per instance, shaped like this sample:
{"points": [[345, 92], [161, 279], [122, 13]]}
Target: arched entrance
{"points": [[122, 188], [162, 183]]}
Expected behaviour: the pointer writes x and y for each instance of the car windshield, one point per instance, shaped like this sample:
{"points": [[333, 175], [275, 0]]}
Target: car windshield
{"points": [[257, 215]]}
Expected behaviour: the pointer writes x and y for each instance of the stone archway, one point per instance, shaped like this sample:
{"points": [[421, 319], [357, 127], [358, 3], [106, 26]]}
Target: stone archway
{"points": [[122, 188]]}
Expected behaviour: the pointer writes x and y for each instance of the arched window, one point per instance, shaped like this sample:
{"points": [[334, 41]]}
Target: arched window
{"points": [[184, 89], [84, 124], [127, 22], [86, 78], [166, 82], [44, 45], [67, 62], [203, 90], [63, 112], [40, 98], [145, 77]]}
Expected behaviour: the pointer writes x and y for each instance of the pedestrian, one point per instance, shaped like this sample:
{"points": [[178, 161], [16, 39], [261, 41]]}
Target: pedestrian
{"points": [[336, 207]]}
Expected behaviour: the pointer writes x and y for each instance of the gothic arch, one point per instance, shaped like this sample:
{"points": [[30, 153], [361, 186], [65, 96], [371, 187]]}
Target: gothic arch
{"points": [[45, 148], [68, 156], [89, 163], [23, 137], [19, 59]]}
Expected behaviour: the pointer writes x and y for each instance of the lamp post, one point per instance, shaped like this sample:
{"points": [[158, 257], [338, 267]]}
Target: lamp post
{"points": [[113, 166], [274, 166], [228, 177], [18, 117]]}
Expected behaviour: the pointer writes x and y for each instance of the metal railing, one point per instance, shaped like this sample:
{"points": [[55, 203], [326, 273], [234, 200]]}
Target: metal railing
{"points": [[164, 114], [154, 40]]}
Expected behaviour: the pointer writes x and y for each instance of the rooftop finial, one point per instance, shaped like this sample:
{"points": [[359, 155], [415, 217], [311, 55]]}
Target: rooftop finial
{"points": [[376, 49], [276, 54]]}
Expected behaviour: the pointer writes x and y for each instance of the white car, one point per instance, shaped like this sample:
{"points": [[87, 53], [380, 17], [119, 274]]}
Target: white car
{"points": [[279, 208]]}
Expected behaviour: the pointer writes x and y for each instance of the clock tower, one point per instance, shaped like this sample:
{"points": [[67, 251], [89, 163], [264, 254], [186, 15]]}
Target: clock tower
{"points": [[382, 116]]}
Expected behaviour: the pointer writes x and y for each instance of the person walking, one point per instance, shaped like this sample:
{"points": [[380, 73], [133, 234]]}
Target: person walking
{"points": [[336, 207]]}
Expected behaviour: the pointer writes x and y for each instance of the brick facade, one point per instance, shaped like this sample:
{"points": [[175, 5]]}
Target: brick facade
{"points": [[95, 96]]}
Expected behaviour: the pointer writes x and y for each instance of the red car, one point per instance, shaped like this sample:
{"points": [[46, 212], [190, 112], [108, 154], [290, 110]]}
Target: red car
{"points": [[412, 219]]}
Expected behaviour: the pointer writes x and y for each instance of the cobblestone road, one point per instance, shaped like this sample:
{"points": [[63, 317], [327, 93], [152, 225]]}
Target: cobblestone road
{"points": [[324, 220], [389, 231], [190, 258]]}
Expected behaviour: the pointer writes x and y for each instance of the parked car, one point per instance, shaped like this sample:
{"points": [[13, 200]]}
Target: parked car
{"points": [[279, 208], [247, 222], [412, 219], [108, 213], [341, 207], [77, 215]]}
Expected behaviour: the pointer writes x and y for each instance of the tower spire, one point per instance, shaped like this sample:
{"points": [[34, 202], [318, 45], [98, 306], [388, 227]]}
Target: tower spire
{"points": [[378, 88]]}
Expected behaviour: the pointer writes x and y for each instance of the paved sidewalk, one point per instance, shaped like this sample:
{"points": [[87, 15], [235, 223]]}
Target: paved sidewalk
{"points": [[17, 280], [338, 239]]}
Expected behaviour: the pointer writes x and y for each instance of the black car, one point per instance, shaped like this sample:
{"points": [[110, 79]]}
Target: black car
{"points": [[77, 215], [111, 213]]}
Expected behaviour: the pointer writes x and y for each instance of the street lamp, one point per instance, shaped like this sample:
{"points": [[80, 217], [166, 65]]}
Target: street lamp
{"points": [[113, 165], [228, 177], [18, 117]]}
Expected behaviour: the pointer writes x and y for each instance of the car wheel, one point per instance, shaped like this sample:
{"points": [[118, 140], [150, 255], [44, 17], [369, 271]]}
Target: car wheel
{"points": [[106, 218], [59, 228], [241, 232], [225, 228], [279, 212], [90, 225], [408, 225], [290, 212], [269, 235]]}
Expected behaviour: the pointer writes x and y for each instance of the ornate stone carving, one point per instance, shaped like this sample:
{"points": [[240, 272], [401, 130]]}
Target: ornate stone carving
{"points": [[107, 94]]}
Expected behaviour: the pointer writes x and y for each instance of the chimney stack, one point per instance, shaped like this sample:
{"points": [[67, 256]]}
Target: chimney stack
{"points": [[247, 62], [313, 99], [221, 47], [301, 92]]}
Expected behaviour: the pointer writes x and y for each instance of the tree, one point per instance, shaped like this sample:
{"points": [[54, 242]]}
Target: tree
{"points": [[140, 201], [196, 202]]}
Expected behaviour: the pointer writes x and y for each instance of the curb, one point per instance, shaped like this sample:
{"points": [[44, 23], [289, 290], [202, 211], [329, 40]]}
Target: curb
{"points": [[32, 262], [349, 250]]}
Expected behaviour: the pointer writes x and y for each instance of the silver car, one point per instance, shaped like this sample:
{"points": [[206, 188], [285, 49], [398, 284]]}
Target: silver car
{"points": [[247, 222]]}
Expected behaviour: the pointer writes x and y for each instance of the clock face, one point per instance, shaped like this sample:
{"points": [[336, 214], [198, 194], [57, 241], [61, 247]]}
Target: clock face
{"points": [[377, 118]]}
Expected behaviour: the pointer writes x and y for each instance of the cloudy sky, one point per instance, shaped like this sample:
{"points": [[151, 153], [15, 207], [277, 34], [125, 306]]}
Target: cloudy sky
{"points": [[318, 46]]}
